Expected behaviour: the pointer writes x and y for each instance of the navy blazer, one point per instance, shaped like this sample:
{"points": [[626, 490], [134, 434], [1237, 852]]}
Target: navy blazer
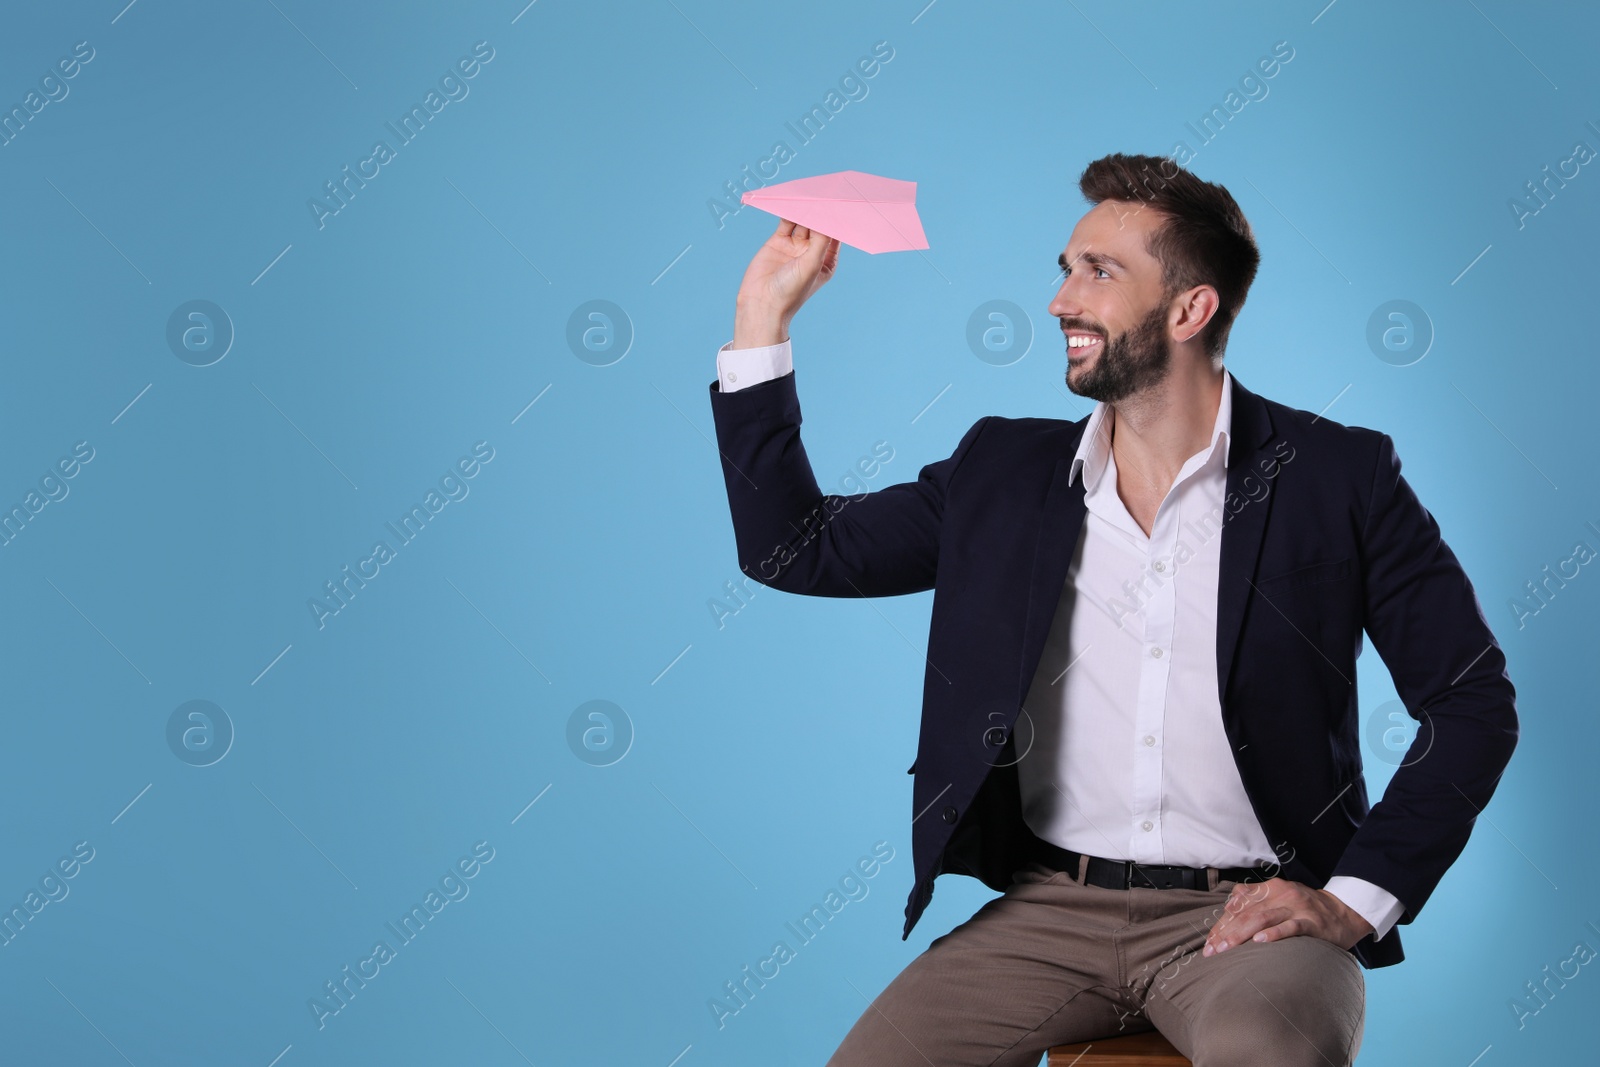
{"points": [[1322, 538]]}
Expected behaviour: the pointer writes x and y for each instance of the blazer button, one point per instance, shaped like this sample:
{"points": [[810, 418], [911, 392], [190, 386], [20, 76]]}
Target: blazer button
{"points": [[949, 814], [995, 737]]}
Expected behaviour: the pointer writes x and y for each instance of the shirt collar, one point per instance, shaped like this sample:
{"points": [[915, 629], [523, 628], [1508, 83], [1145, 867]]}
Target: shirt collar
{"points": [[1093, 448]]}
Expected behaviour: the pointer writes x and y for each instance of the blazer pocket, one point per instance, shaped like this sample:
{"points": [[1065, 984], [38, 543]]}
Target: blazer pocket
{"points": [[1317, 572]]}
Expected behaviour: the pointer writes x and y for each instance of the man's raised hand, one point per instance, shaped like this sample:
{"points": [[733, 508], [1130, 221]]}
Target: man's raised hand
{"points": [[792, 265]]}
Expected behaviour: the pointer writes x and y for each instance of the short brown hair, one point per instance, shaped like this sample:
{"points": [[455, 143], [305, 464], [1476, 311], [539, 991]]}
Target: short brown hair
{"points": [[1205, 239]]}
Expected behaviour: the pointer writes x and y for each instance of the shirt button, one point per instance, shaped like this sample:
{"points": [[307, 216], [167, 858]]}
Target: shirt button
{"points": [[1156, 652], [733, 377], [1149, 739], [1160, 566], [1147, 824]]}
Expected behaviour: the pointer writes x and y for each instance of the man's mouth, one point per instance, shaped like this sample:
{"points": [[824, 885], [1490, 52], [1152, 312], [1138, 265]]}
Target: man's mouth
{"points": [[1080, 344]]}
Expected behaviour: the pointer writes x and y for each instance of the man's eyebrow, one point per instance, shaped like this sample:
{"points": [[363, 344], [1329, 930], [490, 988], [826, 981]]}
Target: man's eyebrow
{"points": [[1097, 258]]}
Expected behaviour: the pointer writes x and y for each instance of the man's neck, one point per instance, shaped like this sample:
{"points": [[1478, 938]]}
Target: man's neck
{"points": [[1153, 433]]}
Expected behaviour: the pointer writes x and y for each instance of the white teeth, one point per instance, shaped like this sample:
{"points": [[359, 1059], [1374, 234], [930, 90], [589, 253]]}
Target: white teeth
{"points": [[1079, 342]]}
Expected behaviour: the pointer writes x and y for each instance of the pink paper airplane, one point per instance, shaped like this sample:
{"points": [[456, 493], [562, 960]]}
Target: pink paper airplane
{"points": [[868, 212]]}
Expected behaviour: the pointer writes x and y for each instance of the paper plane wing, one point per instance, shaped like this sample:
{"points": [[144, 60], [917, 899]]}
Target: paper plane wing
{"points": [[865, 211]]}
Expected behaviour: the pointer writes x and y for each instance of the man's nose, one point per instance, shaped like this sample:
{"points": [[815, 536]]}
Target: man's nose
{"points": [[1065, 303]]}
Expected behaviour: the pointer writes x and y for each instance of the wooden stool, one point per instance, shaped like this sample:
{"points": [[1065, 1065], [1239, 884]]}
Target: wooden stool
{"points": [[1148, 1049]]}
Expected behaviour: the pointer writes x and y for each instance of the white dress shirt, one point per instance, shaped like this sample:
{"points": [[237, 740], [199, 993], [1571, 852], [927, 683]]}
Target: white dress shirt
{"points": [[1096, 776]]}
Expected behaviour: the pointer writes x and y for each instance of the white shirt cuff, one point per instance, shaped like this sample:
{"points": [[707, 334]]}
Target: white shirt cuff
{"points": [[1376, 905], [740, 368]]}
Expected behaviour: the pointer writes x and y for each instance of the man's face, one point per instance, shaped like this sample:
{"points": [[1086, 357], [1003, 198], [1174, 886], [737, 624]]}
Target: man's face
{"points": [[1111, 305]]}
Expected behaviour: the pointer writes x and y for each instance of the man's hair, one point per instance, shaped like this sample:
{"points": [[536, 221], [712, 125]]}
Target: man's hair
{"points": [[1204, 238]]}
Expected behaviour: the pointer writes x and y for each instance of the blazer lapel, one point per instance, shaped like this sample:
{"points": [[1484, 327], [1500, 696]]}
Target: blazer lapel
{"points": [[1244, 523], [1052, 557]]}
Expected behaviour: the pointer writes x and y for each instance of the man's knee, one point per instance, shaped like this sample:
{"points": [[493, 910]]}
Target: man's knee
{"points": [[1270, 1040], [1261, 1020]]}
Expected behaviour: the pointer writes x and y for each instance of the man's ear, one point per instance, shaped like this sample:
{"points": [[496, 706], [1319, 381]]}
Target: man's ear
{"points": [[1194, 308]]}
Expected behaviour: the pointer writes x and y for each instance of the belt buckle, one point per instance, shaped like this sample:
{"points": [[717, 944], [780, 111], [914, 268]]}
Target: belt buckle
{"points": [[1150, 882]]}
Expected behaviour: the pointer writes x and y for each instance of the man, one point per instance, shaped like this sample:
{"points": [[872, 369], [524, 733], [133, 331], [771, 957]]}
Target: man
{"points": [[1140, 718]]}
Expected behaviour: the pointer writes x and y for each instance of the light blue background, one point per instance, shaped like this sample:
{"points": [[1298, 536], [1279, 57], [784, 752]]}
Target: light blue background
{"points": [[768, 754]]}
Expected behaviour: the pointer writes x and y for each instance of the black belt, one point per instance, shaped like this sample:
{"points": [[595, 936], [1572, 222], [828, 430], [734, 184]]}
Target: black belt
{"points": [[1129, 874]]}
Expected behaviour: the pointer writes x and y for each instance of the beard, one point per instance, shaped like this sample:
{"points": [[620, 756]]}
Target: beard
{"points": [[1136, 359]]}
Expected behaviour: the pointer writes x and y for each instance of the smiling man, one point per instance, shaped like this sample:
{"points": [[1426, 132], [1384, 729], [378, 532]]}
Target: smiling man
{"points": [[1139, 716]]}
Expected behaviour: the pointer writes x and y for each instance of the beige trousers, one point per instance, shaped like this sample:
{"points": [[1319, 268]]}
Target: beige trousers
{"points": [[1053, 961]]}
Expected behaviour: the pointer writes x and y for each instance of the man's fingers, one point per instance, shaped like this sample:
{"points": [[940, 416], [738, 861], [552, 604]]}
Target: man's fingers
{"points": [[818, 249], [1240, 931], [830, 259]]}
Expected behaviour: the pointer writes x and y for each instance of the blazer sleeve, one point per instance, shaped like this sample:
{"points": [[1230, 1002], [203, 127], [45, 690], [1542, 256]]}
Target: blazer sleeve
{"points": [[1426, 622], [794, 537]]}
